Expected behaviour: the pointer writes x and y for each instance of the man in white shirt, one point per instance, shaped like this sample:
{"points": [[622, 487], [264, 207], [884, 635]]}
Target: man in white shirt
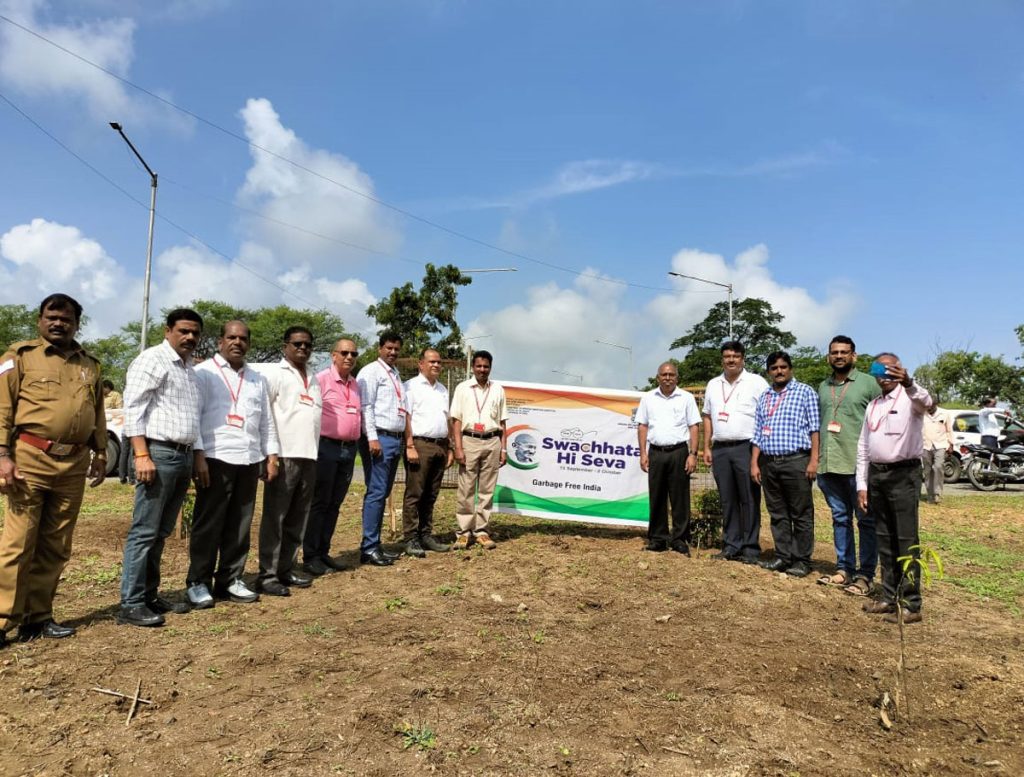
{"points": [[938, 441], [237, 438], [667, 422], [296, 405], [385, 417], [989, 424], [161, 422], [730, 401], [428, 454]]}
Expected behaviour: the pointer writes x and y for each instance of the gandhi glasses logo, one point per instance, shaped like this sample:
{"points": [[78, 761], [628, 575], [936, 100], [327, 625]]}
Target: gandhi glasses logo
{"points": [[522, 447]]}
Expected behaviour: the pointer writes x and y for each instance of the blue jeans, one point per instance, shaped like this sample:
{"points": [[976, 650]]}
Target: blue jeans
{"points": [[379, 474], [153, 518], [841, 494], [335, 462]]}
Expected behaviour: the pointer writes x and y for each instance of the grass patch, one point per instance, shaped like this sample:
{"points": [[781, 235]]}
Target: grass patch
{"points": [[317, 630], [421, 737], [981, 569], [91, 571], [396, 603]]}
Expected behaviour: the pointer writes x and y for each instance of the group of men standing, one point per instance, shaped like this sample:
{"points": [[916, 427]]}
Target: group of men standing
{"points": [[227, 424], [860, 436]]}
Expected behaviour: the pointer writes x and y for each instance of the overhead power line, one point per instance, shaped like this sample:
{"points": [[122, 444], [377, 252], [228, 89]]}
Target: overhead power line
{"points": [[299, 166]]}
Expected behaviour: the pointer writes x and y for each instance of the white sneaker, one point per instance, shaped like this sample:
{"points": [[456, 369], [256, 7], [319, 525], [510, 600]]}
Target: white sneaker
{"points": [[238, 591], [199, 597]]}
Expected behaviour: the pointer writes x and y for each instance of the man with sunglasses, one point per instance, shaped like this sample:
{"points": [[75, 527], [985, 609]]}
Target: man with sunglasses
{"points": [[296, 406], [784, 462], [336, 456]]}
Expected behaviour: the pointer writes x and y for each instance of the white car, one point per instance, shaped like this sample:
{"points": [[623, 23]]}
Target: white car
{"points": [[115, 425], [967, 432]]}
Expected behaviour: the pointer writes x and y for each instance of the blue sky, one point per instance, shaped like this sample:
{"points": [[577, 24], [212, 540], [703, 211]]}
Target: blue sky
{"points": [[856, 163]]}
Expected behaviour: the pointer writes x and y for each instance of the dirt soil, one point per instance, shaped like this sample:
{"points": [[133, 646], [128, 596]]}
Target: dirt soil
{"points": [[568, 650]]}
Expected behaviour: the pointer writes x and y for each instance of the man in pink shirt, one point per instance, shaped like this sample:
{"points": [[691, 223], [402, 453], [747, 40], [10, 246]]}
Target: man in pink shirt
{"points": [[889, 479], [336, 456]]}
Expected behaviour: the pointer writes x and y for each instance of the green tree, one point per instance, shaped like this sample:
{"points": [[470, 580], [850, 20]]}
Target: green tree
{"points": [[425, 318], [755, 324], [810, 364], [17, 323], [968, 376]]}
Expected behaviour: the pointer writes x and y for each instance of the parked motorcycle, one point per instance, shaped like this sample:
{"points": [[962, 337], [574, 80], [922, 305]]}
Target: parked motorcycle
{"points": [[988, 468]]}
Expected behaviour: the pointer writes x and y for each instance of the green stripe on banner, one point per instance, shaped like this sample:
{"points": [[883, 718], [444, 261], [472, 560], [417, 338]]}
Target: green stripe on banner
{"points": [[632, 509]]}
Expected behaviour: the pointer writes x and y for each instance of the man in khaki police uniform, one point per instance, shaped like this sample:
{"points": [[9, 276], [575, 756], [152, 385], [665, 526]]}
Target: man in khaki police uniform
{"points": [[51, 417]]}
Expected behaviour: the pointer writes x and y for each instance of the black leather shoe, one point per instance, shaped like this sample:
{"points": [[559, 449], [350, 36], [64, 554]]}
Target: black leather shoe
{"points": [[3, 640], [413, 548], [295, 580], [799, 569], [316, 567], [751, 560], [681, 547], [163, 606], [331, 563], [656, 547], [140, 615], [723, 556], [49, 629], [274, 588], [376, 558], [389, 555], [775, 565], [428, 542]]}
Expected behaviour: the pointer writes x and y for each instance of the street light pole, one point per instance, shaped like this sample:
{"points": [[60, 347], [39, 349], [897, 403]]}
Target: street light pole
{"points": [[628, 348], [149, 246], [465, 340], [727, 286]]}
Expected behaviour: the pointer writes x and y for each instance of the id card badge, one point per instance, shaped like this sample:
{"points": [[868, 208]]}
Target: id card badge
{"points": [[723, 417], [305, 399], [835, 427], [766, 431], [478, 427], [236, 421], [351, 410]]}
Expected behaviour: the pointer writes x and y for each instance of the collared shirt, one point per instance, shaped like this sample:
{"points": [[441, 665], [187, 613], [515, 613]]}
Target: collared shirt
{"points": [[384, 404], [731, 406], [236, 425], [988, 424], [668, 418], [161, 397], [51, 395], [341, 417], [785, 419], [479, 408], [429, 407], [938, 430], [843, 404], [893, 429], [296, 405], [113, 401]]}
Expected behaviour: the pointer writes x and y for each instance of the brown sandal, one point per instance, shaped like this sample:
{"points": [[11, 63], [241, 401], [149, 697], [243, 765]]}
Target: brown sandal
{"points": [[860, 586], [840, 579]]}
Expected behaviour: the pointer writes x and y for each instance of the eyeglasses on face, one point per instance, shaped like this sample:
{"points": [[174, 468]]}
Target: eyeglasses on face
{"points": [[301, 345], [347, 353]]}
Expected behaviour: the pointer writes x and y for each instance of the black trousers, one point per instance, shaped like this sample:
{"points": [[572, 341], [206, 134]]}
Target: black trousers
{"points": [[286, 502], [422, 487], [221, 523], [335, 462], [741, 500], [668, 483], [893, 500], [790, 503]]}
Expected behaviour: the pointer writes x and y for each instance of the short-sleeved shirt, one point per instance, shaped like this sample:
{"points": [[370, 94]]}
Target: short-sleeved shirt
{"points": [[785, 419], [668, 418], [51, 395], [843, 404], [296, 404], [479, 408], [341, 419], [731, 406], [428, 404]]}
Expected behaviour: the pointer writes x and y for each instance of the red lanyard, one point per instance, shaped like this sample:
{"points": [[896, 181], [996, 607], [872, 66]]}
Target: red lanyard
{"points": [[872, 424], [395, 383], [348, 391], [480, 406], [781, 396], [238, 392], [305, 382], [725, 399]]}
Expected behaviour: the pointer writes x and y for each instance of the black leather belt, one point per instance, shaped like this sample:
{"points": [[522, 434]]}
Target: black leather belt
{"points": [[886, 466], [435, 440], [336, 441], [389, 433], [667, 448], [728, 443], [180, 447], [481, 435], [785, 456]]}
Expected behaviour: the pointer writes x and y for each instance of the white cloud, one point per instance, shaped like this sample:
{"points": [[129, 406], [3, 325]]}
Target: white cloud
{"points": [[555, 328], [36, 68], [283, 192]]}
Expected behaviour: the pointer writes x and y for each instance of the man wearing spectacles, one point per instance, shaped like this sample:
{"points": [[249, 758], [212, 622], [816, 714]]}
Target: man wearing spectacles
{"points": [[336, 456], [784, 462], [296, 405]]}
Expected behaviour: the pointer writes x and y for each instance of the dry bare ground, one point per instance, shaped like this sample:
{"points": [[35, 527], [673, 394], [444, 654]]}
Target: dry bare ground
{"points": [[568, 650]]}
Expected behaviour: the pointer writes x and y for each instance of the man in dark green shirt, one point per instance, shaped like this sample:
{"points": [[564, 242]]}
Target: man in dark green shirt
{"points": [[843, 398]]}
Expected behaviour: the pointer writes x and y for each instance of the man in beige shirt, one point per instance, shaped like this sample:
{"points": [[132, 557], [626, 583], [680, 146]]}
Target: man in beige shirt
{"points": [[938, 441], [478, 416]]}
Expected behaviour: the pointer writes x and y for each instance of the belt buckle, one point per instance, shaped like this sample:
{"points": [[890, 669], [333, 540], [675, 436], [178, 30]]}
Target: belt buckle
{"points": [[61, 449]]}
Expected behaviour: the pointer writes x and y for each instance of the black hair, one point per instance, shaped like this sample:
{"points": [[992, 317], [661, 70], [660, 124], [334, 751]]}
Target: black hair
{"points": [[483, 355], [108, 384], [224, 327], [389, 336], [61, 302], [293, 329], [844, 340], [774, 356], [733, 345], [183, 314]]}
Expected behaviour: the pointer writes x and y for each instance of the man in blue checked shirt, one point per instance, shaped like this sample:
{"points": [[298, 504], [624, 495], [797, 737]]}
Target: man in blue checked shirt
{"points": [[785, 461]]}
